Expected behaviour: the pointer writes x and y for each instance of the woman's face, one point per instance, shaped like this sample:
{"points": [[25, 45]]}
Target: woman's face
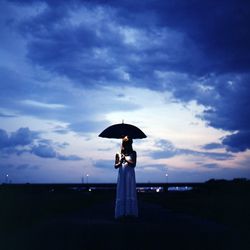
{"points": [[125, 139], [126, 142]]}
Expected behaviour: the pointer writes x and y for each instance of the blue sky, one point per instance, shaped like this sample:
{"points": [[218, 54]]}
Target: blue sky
{"points": [[179, 70]]}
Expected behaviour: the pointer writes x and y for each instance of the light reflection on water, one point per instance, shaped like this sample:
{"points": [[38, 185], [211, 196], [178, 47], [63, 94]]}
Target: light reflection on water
{"points": [[147, 189], [161, 189], [180, 189]]}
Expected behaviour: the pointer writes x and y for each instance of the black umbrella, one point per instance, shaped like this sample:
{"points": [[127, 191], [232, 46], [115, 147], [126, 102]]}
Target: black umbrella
{"points": [[118, 131]]}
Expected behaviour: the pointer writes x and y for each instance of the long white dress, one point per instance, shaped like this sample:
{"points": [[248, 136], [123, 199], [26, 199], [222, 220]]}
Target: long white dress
{"points": [[126, 196]]}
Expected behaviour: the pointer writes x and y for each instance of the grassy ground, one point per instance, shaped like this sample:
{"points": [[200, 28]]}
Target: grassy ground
{"points": [[44, 218], [226, 203], [28, 206]]}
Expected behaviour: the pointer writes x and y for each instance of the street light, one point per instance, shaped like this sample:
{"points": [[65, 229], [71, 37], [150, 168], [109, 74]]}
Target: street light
{"points": [[167, 178], [166, 181], [7, 178]]}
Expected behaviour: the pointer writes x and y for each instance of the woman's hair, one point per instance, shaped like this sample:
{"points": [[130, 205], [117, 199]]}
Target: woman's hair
{"points": [[127, 145]]}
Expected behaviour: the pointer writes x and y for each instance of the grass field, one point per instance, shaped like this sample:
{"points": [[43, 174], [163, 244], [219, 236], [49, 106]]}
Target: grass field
{"points": [[81, 216], [221, 201]]}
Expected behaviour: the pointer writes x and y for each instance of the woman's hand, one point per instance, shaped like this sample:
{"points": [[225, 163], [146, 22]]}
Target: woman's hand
{"points": [[123, 158], [117, 161]]}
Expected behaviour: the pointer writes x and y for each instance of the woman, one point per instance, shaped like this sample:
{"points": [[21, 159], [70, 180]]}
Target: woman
{"points": [[126, 197]]}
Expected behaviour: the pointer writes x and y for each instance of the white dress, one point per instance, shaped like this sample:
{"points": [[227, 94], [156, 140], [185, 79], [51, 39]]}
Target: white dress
{"points": [[126, 196]]}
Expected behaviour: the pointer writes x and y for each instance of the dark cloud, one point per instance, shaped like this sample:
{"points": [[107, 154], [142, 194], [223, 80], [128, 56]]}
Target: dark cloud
{"points": [[27, 166], [4, 139], [168, 150], [226, 99], [26, 141], [11, 80], [210, 165], [212, 145], [194, 37], [47, 151], [17, 142], [61, 131], [230, 102], [237, 142], [62, 145], [6, 115], [104, 47], [211, 155], [104, 149], [22, 137], [69, 157], [220, 29], [196, 50], [44, 151], [229, 111]]}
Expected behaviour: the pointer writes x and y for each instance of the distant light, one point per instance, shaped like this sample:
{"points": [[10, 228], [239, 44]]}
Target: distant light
{"points": [[180, 189], [90, 189]]}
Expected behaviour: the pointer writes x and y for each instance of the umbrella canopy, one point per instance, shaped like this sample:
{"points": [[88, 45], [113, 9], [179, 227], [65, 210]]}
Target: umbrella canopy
{"points": [[118, 131]]}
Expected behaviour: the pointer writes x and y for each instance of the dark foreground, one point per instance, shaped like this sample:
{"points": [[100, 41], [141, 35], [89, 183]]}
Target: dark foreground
{"points": [[50, 219]]}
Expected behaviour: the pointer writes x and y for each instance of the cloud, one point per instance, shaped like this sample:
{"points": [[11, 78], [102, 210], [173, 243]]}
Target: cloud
{"points": [[237, 142], [44, 151], [4, 115], [229, 110], [22, 137], [27, 166], [69, 157], [211, 155], [104, 164], [225, 99], [61, 130], [220, 29], [210, 165], [124, 42], [91, 44], [168, 150], [4, 139], [26, 141], [152, 168], [212, 145], [197, 51]]}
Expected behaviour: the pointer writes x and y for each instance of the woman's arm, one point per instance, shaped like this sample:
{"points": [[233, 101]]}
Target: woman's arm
{"points": [[131, 159]]}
